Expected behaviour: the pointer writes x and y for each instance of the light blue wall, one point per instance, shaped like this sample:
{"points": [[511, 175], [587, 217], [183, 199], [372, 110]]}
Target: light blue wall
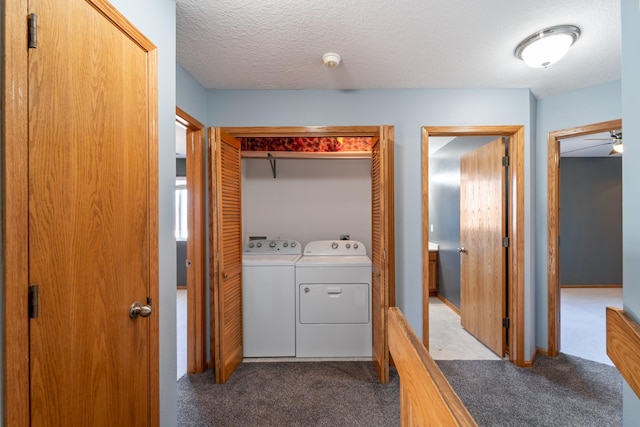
{"points": [[191, 97], [407, 110], [571, 109], [157, 20], [631, 175]]}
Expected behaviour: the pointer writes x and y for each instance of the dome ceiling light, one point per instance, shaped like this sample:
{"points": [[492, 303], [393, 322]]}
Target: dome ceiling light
{"points": [[547, 46]]}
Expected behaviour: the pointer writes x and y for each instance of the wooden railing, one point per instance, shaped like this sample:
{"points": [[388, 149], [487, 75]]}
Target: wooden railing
{"points": [[426, 397], [623, 346]]}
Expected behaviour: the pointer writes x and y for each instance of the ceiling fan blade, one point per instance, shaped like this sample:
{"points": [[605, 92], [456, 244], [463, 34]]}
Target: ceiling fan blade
{"points": [[583, 148]]}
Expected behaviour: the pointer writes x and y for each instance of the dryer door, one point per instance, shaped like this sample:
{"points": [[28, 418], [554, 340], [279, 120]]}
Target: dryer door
{"points": [[334, 303]]}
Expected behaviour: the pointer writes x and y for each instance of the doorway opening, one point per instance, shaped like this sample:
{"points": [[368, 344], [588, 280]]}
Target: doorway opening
{"points": [[226, 245], [514, 298], [554, 221], [194, 261]]}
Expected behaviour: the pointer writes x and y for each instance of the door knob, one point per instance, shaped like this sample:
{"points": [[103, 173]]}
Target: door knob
{"points": [[139, 310], [462, 249]]}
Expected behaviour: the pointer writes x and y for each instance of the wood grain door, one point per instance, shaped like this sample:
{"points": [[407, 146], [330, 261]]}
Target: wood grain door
{"points": [[226, 256], [92, 180], [382, 247], [483, 260]]}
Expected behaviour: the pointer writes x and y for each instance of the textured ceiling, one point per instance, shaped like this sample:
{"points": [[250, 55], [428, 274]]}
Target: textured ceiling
{"points": [[278, 44]]}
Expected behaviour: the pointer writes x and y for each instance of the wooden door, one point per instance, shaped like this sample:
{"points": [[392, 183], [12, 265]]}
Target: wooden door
{"points": [[226, 256], [483, 260], [382, 247], [92, 234]]}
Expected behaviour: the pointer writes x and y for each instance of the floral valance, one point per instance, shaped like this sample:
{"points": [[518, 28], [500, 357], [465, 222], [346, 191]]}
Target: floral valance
{"points": [[308, 145]]}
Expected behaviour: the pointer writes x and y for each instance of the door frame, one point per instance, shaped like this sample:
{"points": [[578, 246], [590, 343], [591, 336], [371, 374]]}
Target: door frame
{"points": [[15, 210], [553, 222], [515, 212], [197, 271], [319, 131]]}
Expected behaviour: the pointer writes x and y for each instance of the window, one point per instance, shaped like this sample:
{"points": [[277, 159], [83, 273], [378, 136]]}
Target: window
{"points": [[181, 209]]}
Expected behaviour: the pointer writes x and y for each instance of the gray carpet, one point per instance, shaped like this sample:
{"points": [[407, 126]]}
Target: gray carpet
{"points": [[566, 391], [291, 394]]}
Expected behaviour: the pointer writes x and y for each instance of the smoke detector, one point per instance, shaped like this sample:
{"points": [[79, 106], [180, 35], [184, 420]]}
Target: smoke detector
{"points": [[331, 59]]}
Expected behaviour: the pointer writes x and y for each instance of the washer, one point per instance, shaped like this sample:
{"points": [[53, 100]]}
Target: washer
{"points": [[268, 297], [333, 300]]}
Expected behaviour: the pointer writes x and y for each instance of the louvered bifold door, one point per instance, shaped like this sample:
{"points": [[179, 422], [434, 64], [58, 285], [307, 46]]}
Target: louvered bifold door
{"points": [[382, 247], [227, 253]]}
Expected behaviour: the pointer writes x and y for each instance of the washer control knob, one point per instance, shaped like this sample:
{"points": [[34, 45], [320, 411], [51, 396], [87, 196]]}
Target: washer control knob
{"points": [[348, 245], [285, 244], [259, 245], [355, 246], [293, 244], [334, 245], [272, 244], [251, 244]]}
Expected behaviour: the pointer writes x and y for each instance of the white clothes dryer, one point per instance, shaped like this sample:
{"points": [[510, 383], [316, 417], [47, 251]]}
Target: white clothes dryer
{"points": [[333, 300], [268, 298]]}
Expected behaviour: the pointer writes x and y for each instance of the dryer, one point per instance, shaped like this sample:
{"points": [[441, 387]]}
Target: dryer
{"points": [[333, 300], [268, 298]]}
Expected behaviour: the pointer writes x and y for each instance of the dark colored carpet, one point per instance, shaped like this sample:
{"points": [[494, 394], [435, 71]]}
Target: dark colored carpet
{"points": [[291, 394], [566, 391]]}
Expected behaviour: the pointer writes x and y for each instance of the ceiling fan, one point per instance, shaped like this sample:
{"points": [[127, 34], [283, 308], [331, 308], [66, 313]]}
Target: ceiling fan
{"points": [[615, 140]]}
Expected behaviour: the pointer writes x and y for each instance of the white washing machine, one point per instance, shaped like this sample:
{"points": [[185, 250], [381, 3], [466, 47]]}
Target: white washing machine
{"points": [[268, 298], [333, 300]]}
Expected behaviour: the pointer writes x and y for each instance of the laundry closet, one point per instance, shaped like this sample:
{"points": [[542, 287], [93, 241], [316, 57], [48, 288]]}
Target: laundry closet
{"points": [[295, 201], [291, 196]]}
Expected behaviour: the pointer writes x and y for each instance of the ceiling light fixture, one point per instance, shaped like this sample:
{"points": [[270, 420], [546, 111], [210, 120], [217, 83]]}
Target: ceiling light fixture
{"points": [[617, 146], [331, 59], [547, 46]]}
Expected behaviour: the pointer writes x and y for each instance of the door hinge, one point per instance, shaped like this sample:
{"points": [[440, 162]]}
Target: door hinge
{"points": [[33, 31], [33, 302], [505, 161], [506, 323], [505, 242]]}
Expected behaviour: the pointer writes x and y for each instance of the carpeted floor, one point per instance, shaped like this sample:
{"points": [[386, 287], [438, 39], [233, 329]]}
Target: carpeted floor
{"points": [[290, 394], [566, 391]]}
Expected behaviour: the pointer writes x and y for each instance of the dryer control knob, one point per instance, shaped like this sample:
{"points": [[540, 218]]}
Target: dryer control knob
{"points": [[285, 244], [334, 245], [259, 245], [293, 244], [251, 244], [348, 245], [272, 244], [355, 246]]}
